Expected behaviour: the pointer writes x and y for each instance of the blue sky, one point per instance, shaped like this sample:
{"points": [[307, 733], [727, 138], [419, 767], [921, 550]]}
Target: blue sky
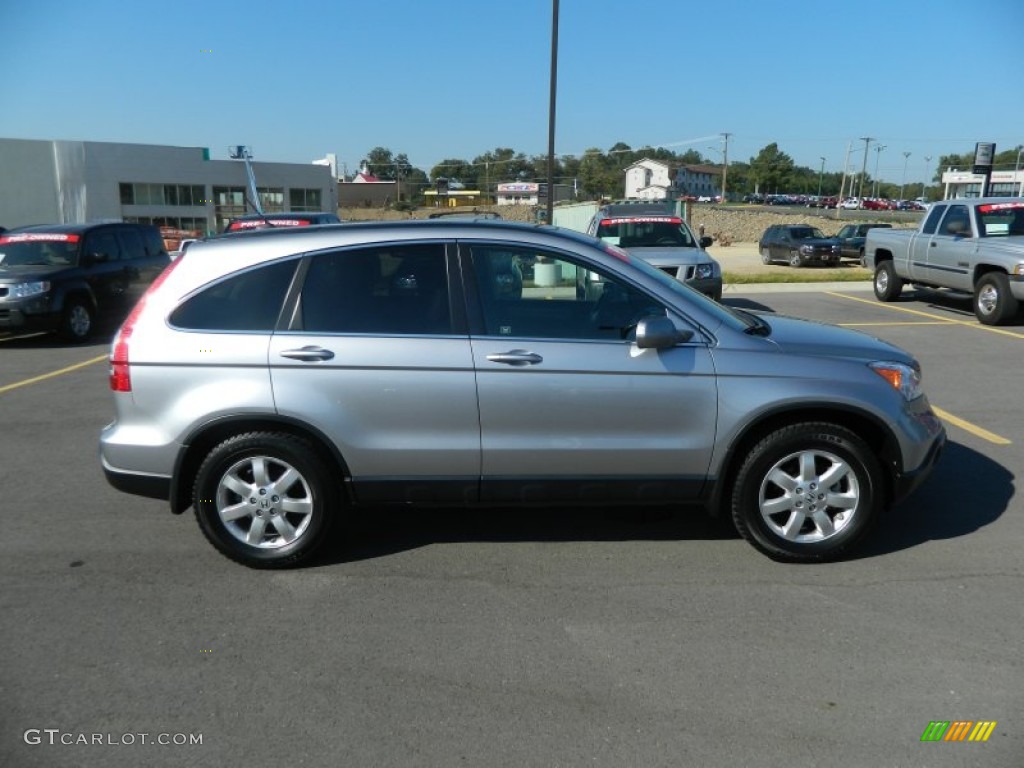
{"points": [[296, 80]]}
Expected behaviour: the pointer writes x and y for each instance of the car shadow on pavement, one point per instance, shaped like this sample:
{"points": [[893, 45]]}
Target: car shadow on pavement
{"points": [[103, 335], [949, 302], [965, 492], [381, 531], [747, 304], [945, 507]]}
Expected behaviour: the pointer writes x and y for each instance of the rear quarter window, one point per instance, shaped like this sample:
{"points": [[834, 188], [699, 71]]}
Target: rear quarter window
{"points": [[250, 301]]}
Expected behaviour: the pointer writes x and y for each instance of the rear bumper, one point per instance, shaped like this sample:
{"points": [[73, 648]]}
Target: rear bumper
{"points": [[150, 486]]}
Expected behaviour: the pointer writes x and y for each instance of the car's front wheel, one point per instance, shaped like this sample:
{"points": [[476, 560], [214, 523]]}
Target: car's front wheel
{"points": [[888, 285], [994, 303], [807, 492], [794, 259], [76, 323], [265, 499]]}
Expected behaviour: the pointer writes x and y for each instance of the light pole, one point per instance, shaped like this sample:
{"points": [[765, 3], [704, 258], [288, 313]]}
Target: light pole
{"points": [[725, 163], [1016, 170], [864, 168], [874, 184], [927, 167], [551, 111], [821, 174], [903, 183]]}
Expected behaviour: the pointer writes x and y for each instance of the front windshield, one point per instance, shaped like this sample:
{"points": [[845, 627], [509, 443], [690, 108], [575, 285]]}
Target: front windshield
{"points": [[646, 232], [806, 233], [735, 319], [38, 249]]}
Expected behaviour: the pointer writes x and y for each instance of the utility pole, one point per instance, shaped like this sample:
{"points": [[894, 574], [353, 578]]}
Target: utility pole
{"points": [[874, 181], [903, 183], [864, 169], [842, 184], [725, 163], [927, 167], [821, 174]]}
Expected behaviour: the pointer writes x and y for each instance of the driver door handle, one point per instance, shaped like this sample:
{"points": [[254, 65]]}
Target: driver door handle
{"points": [[516, 357]]}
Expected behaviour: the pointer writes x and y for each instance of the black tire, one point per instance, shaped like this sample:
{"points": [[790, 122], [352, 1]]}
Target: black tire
{"points": [[795, 260], [823, 522], [888, 285], [766, 256], [994, 303], [77, 321], [304, 508]]}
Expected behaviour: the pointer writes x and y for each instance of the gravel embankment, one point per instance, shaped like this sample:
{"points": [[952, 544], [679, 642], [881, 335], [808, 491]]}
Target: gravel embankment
{"points": [[738, 225]]}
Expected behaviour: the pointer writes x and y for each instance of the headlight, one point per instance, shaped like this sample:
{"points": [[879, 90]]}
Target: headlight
{"points": [[1018, 269], [704, 271], [806, 249], [903, 378], [24, 290]]}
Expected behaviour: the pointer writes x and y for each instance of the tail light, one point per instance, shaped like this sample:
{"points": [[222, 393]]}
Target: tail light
{"points": [[120, 373]]}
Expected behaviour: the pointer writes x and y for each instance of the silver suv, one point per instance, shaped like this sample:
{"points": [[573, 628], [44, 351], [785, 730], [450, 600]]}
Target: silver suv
{"points": [[277, 380], [651, 230]]}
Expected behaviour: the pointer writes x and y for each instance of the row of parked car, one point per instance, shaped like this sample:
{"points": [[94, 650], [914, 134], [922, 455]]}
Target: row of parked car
{"points": [[802, 245], [829, 201]]}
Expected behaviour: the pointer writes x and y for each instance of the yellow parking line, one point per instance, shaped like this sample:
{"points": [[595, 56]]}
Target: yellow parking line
{"points": [[967, 426], [952, 321], [51, 374], [907, 322]]}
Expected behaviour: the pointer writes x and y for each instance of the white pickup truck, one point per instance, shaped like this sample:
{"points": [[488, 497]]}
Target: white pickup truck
{"points": [[971, 246]]}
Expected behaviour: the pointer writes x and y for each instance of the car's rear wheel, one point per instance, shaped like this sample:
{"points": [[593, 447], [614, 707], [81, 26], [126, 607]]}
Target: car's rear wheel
{"points": [[794, 259], [807, 492], [76, 322], [766, 256], [265, 499], [994, 303], [888, 285]]}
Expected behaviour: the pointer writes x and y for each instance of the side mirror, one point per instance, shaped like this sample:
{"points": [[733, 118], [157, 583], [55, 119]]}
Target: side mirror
{"points": [[658, 332], [95, 257], [706, 241]]}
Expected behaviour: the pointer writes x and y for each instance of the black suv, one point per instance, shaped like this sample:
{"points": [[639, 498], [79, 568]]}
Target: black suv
{"points": [[852, 237], [266, 220], [66, 277], [798, 245]]}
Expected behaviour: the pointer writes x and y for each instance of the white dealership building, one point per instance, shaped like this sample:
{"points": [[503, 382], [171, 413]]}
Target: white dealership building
{"points": [[48, 182]]}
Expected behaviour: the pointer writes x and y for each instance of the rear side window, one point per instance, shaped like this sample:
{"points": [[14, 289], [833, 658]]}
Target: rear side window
{"points": [[153, 243], [131, 243], [250, 301]]}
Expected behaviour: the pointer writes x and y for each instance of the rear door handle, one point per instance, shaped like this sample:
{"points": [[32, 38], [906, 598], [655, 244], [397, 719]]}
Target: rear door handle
{"points": [[516, 357], [308, 353]]}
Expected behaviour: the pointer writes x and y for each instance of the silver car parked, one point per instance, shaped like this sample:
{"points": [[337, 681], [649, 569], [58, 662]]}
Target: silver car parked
{"points": [[275, 381]]}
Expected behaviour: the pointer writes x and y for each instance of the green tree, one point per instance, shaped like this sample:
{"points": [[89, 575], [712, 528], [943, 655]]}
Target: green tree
{"points": [[771, 170]]}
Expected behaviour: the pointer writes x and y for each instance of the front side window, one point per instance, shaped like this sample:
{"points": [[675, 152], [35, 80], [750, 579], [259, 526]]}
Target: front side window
{"points": [[381, 290], [957, 221], [932, 222], [529, 293]]}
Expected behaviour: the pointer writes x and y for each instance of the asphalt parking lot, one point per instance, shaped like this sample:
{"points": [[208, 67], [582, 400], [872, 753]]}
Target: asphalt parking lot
{"points": [[516, 638]]}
